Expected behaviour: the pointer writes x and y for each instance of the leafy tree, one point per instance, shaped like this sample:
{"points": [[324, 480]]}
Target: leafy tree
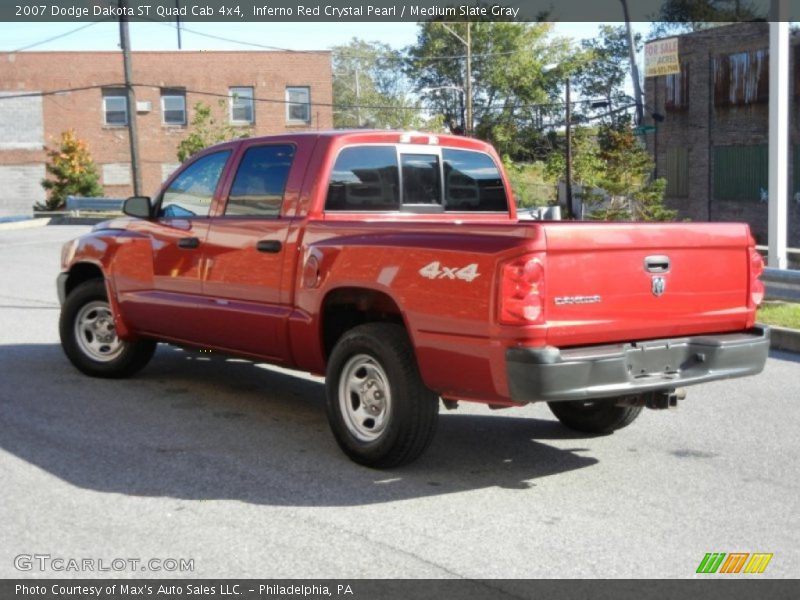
{"points": [[603, 76], [615, 172], [513, 84], [682, 16], [207, 130], [72, 172], [370, 88]]}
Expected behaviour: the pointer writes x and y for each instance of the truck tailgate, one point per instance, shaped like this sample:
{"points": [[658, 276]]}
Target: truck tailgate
{"points": [[609, 282]]}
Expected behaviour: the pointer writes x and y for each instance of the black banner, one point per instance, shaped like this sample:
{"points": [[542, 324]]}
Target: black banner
{"points": [[418, 589], [386, 10]]}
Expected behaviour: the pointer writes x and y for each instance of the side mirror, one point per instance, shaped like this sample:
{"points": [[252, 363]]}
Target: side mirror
{"points": [[137, 206]]}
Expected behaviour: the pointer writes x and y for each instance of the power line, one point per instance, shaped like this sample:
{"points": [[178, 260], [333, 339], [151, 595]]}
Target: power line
{"points": [[332, 105], [59, 36]]}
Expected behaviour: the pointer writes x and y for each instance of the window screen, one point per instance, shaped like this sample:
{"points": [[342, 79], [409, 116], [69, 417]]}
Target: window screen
{"points": [[173, 107], [472, 182], [242, 105], [192, 191], [260, 181], [298, 108], [364, 178], [115, 107]]}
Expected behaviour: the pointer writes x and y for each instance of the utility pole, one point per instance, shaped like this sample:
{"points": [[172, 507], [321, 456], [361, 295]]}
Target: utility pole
{"points": [[779, 111], [125, 44], [468, 86], [358, 97], [178, 21], [568, 175], [468, 82], [637, 88]]}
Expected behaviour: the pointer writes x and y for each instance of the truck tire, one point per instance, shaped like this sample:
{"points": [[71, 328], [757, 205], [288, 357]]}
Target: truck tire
{"points": [[594, 416], [88, 337], [380, 411]]}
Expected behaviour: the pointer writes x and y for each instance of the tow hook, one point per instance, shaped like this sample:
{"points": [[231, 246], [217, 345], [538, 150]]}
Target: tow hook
{"points": [[655, 400]]}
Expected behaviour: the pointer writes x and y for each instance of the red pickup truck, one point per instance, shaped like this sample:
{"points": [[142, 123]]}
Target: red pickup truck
{"points": [[395, 264]]}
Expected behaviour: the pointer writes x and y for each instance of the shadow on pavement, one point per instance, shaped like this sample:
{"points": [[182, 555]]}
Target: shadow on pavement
{"points": [[196, 426]]}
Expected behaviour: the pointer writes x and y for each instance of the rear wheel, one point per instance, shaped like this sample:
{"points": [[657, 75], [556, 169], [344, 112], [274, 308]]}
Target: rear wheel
{"points": [[90, 340], [380, 411], [594, 416]]}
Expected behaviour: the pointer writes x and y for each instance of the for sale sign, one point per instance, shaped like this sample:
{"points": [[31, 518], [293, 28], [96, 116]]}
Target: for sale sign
{"points": [[661, 58]]}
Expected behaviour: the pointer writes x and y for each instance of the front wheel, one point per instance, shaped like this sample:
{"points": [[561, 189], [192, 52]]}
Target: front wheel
{"points": [[594, 416], [90, 340], [380, 411]]}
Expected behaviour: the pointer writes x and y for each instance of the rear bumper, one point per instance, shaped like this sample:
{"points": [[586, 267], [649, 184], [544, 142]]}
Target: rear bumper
{"points": [[610, 370]]}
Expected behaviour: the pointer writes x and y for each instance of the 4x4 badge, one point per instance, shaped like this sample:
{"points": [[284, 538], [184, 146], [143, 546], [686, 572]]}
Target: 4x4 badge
{"points": [[658, 286]]}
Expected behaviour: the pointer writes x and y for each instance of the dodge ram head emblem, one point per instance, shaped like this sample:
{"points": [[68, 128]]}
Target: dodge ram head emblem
{"points": [[658, 286]]}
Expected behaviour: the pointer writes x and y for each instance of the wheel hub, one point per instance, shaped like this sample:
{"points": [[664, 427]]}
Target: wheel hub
{"points": [[95, 332], [364, 397]]}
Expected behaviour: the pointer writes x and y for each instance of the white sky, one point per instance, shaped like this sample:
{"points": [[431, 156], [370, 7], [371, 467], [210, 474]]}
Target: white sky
{"points": [[294, 36]]}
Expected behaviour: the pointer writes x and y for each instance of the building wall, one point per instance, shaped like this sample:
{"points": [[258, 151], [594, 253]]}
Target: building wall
{"points": [[703, 126], [28, 125]]}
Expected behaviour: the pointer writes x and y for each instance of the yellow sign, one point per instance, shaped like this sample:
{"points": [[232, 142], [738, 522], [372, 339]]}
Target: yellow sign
{"points": [[661, 58]]}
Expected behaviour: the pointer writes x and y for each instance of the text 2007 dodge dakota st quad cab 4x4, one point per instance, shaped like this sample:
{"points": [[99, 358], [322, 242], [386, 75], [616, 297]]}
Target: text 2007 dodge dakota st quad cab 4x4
{"points": [[394, 264]]}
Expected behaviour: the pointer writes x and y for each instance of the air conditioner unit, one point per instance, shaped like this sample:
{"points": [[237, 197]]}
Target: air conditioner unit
{"points": [[145, 106]]}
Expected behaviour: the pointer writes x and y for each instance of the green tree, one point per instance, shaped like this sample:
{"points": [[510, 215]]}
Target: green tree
{"points": [[72, 172], [513, 82], [682, 16], [615, 173], [207, 129], [370, 88], [603, 76]]}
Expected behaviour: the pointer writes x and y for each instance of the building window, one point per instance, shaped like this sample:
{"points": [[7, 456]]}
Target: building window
{"points": [[173, 106], [298, 105], [115, 107], [740, 172], [741, 79], [677, 90], [677, 172], [242, 112]]}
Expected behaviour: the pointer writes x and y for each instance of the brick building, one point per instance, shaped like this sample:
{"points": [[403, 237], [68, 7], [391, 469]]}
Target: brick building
{"points": [[712, 146], [263, 92]]}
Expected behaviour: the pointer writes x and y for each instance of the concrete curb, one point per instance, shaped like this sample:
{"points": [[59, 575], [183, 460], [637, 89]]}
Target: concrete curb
{"points": [[783, 338], [26, 224]]}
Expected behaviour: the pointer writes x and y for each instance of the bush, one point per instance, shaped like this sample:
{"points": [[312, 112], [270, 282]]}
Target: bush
{"points": [[72, 172]]}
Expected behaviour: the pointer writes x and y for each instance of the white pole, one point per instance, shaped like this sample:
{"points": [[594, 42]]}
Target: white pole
{"points": [[778, 132]]}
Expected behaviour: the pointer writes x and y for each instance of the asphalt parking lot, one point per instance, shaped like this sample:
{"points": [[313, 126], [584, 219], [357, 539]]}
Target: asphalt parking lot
{"points": [[232, 465]]}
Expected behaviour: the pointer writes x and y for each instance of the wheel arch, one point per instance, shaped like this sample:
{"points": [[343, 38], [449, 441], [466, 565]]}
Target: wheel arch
{"points": [[346, 307]]}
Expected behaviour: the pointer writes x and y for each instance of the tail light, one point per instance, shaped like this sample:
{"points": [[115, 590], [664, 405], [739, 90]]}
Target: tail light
{"points": [[522, 291], [756, 285]]}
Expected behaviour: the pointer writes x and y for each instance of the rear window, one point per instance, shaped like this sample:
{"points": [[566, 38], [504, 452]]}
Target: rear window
{"points": [[364, 178], [379, 178], [472, 182]]}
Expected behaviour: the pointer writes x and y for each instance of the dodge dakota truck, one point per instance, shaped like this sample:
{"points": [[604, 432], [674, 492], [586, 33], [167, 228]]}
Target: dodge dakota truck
{"points": [[395, 265]]}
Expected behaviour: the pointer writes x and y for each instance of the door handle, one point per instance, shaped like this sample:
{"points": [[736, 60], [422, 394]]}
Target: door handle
{"points": [[656, 264], [271, 246], [188, 243]]}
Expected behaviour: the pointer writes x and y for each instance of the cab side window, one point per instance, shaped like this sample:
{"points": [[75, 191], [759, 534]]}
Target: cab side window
{"points": [[191, 193], [472, 182], [364, 178], [260, 181]]}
